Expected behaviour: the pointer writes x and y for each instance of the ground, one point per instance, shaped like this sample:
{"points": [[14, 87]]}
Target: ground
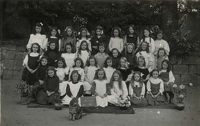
{"points": [[14, 114]]}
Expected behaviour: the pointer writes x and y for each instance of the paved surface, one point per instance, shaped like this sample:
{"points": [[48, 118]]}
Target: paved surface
{"points": [[14, 114]]}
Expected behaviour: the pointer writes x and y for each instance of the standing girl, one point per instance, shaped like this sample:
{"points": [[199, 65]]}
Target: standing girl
{"points": [[62, 71], [115, 57], [161, 43], [69, 55], [53, 38], [74, 88], [116, 41], [129, 53], [155, 89], [149, 58], [161, 56], [90, 69], [68, 38], [137, 90], [101, 56], [131, 37], [83, 52], [31, 63], [49, 95], [119, 92], [149, 40], [84, 36], [108, 68], [99, 88], [37, 37], [97, 39], [168, 78]]}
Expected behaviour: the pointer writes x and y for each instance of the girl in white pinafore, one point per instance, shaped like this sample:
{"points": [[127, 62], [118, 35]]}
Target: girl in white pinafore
{"points": [[83, 52], [108, 68], [74, 88], [99, 88]]}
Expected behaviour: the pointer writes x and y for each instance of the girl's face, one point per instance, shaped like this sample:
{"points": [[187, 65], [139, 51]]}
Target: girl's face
{"points": [[52, 46], [159, 36], [136, 77], [98, 32], [38, 29], [164, 65], [75, 77], [100, 74], [101, 49], [116, 33], [129, 48], [51, 73], [92, 62], [60, 64], [131, 30], [141, 62], [123, 63], [44, 62], [146, 33], [78, 63], [68, 49], [35, 48], [144, 46], [109, 63], [115, 53], [116, 76], [161, 53], [53, 32], [155, 74], [84, 46], [84, 33], [69, 31]]}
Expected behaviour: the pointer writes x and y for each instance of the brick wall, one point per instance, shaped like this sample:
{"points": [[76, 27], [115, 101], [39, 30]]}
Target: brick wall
{"points": [[186, 69]]}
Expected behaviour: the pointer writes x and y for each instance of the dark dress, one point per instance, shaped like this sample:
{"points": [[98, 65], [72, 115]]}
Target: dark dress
{"points": [[115, 62], [28, 77], [125, 73], [132, 39], [131, 58], [52, 56], [144, 71], [54, 40], [95, 42]]}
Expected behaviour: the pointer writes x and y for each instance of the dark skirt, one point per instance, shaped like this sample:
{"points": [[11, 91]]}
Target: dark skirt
{"points": [[28, 77], [155, 101], [138, 102]]}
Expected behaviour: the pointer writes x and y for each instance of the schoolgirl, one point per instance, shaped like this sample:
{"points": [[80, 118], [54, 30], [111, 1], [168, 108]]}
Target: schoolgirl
{"points": [[129, 53], [108, 68], [37, 37], [131, 37], [116, 41], [155, 89], [115, 58], [62, 70], [54, 38], [100, 88], [161, 56], [84, 35]]}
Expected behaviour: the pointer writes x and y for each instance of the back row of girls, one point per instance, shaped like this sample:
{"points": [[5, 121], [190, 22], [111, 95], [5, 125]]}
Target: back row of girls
{"points": [[124, 56]]}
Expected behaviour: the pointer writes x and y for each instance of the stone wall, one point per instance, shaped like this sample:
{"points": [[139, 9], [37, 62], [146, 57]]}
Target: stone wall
{"points": [[186, 69]]}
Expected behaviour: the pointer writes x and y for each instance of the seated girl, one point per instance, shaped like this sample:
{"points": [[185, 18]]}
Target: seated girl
{"points": [[99, 88], [74, 88], [108, 68], [155, 89], [118, 90], [137, 90]]}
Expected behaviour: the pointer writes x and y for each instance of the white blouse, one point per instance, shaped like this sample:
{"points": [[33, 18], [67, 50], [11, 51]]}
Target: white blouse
{"points": [[61, 72], [84, 56], [90, 73], [161, 44], [151, 44], [37, 38], [171, 76], [135, 83], [109, 72], [69, 58], [79, 43], [100, 87], [116, 91], [116, 42]]}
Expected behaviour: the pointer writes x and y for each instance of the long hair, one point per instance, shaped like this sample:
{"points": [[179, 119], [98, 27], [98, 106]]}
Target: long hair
{"points": [[72, 48], [119, 79], [126, 65], [75, 72], [151, 74], [63, 61], [140, 47], [78, 59], [118, 29], [88, 61], [141, 57], [160, 50], [65, 35], [39, 24], [105, 63], [133, 78], [37, 45], [143, 37], [87, 33], [126, 49], [168, 63], [87, 48], [96, 74], [119, 54]]}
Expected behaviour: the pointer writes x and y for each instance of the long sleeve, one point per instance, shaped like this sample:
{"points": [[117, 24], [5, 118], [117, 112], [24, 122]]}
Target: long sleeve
{"points": [[143, 89], [152, 46], [166, 47], [25, 61], [121, 45], [124, 88], [148, 86], [130, 90], [68, 91], [161, 87], [110, 44], [28, 46], [171, 77], [44, 42], [80, 92]]}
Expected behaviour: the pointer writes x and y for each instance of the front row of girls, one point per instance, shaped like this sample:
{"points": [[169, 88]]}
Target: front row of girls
{"points": [[86, 77]]}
